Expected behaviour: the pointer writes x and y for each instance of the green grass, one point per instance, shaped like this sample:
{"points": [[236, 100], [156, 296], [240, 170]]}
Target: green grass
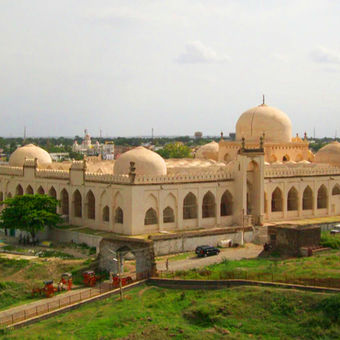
{"points": [[235, 313], [319, 269], [331, 241], [18, 277]]}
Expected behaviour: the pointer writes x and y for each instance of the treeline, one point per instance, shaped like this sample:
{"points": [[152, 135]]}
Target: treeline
{"points": [[64, 144]]}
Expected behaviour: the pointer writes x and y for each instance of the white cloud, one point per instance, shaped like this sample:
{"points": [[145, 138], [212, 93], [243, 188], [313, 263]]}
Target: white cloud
{"points": [[325, 56], [196, 52]]}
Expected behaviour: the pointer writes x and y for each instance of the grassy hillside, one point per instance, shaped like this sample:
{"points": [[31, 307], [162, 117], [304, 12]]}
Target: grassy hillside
{"points": [[237, 313], [322, 267], [18, 277]]}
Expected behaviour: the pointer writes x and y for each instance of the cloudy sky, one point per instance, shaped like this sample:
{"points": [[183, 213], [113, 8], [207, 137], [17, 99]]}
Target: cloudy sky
{"points": [[175, 65]]}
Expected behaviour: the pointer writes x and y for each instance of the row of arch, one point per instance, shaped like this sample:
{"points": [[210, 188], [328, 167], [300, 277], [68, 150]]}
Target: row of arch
{"points": [[90, 203], [190, 208], [307, 198]]}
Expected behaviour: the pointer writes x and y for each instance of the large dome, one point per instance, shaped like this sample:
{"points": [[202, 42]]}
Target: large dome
{"points": [[274, 123], [330, 154], [208, 151], [31, 151], [146, 162]]}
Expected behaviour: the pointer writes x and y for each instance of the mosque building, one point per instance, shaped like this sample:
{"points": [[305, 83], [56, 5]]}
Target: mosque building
{"points": [[265, 175]]}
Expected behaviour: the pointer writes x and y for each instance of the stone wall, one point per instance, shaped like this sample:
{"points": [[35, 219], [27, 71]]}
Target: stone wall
{"points": [[183, 243]]}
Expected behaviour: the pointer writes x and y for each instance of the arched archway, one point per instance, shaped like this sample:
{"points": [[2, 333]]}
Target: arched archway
{"points": [[29, 190], [189, 206], [227, 158], [150, 217], [19, 191], [52, 193], [91, 205], [119, 215], [307, 199], [226, 204], [277, 200], [336, 190], [77, 204], [322, 198], [292, 199], [41, 191], [168, 215], [208, 205], [106, 214], [272, 159], [64, 199], [285, 158]]}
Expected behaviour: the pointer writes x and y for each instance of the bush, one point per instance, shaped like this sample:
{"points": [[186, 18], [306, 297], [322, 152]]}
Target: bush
{"points": [[331, 241], [330, 307]]}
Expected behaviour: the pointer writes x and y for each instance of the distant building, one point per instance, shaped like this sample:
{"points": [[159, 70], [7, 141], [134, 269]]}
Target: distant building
{"points": [[106, 150], [198, 135]]}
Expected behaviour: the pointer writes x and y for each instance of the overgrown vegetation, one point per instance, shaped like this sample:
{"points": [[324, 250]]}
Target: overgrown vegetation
{"points": [[18, 277], [331, 241], [323, 269], [235, 313]]}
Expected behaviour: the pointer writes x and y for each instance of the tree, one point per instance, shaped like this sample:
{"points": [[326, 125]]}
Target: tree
{"points": [[30, 213], [175, 150]]}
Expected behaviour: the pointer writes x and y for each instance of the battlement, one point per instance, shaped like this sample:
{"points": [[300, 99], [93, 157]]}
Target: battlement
{"points": [[11, 170], [299, 170]]}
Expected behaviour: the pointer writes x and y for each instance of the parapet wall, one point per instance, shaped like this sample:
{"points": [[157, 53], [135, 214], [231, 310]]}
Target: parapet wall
{"points": [[299, 170]]}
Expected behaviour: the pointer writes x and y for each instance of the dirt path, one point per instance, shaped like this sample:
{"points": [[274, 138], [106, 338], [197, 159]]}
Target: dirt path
{"points": [[250, 250]]}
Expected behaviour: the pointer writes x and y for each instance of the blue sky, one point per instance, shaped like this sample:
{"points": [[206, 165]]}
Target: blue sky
{"points": [[178, 66]]}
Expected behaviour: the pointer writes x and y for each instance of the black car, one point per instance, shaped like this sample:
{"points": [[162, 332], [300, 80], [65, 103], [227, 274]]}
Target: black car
{"points": [[203, 251]]}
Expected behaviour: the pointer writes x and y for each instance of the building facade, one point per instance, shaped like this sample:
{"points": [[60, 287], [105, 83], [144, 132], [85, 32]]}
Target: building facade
{"points": [[264, 175]]}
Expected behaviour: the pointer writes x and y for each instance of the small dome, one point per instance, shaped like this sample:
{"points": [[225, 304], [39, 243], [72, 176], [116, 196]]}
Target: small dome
{"points": [[146, 162], [31, 151], [274, 123], [208, 151], [330, 154]]}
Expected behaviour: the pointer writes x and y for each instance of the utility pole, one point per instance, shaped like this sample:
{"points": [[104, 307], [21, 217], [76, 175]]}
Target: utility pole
{"points": [[242, 233], [120, 276]]}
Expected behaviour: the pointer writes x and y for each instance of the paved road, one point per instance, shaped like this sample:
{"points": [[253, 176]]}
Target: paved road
{"points": [[250, 250]]}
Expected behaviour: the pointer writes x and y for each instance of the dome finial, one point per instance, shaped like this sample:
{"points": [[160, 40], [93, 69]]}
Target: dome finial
{"points": [[263, 100]]}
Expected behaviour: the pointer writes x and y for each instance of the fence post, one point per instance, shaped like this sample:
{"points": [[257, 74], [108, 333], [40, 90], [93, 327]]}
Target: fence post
{"points": [[59, 303], [36, 310], [12, 318], [69, 299], [48, 306], [25, 314]]}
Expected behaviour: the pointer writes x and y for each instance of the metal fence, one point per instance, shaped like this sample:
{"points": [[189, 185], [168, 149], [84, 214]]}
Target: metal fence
{"points": [[9, 317], [328, 282]]}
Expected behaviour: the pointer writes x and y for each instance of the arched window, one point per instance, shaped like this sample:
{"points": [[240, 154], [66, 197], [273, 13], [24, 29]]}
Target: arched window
{"points": [[77, 204], [208, 205], [29, 190], [226, 204], [336, 190], [19, 191], [307, 199], [64, 202], [168, 215], [52, 193], [292, 199], [277, 200], [189, 206], [119, 216], [91, 205], [41, 191], [322, 197], [150, 217], [106, 214]]}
